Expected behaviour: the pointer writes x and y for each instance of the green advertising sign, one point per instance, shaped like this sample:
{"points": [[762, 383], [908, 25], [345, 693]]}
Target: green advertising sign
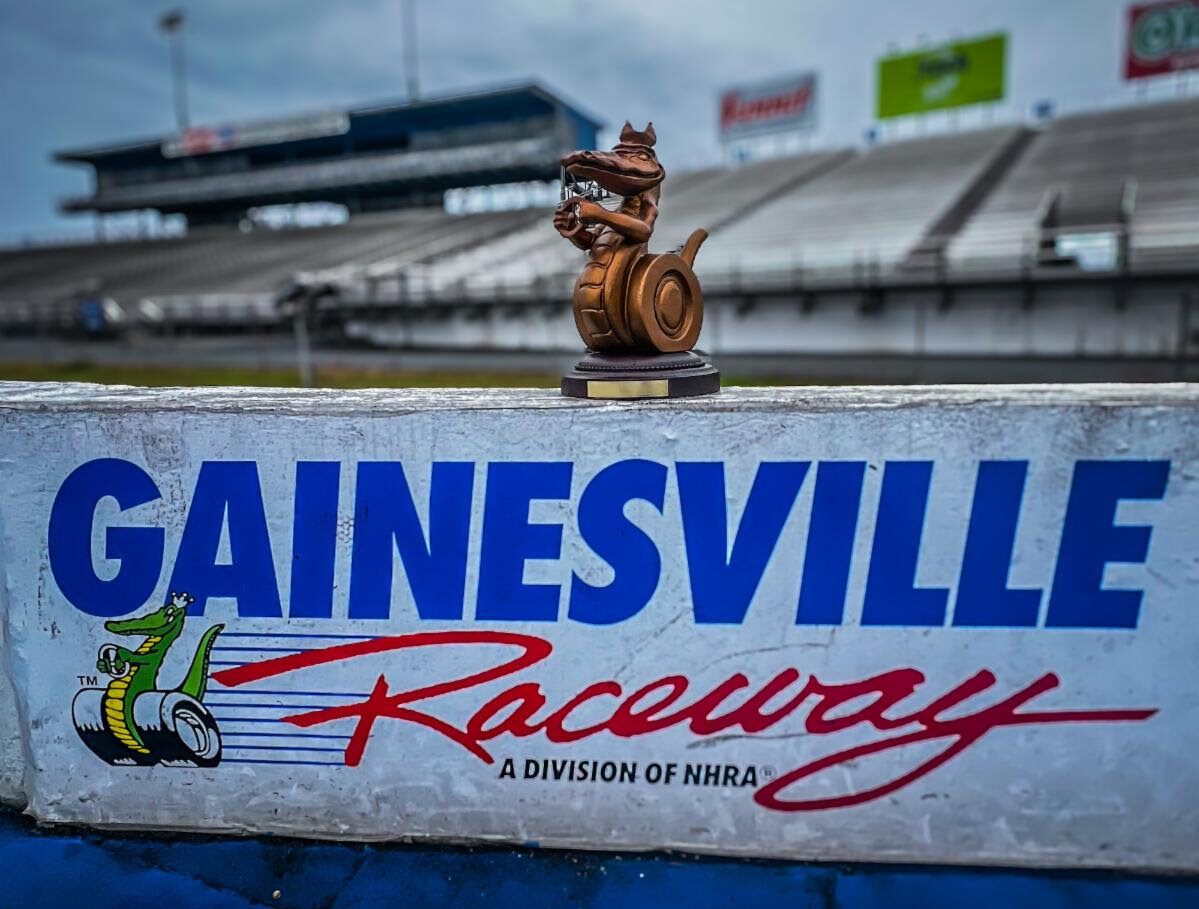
{"points": [[949, 75]]}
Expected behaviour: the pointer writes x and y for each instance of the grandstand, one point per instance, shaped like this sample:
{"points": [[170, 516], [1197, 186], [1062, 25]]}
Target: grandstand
{"points": [[961, 204], [1134, 171], [380, 157], [954, 246]]}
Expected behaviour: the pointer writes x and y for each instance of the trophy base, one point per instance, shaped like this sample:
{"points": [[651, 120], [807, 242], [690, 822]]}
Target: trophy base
{"points": [[626, 377]]}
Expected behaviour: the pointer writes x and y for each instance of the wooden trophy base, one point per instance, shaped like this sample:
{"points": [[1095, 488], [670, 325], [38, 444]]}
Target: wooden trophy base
{"points": [[626, 377]]}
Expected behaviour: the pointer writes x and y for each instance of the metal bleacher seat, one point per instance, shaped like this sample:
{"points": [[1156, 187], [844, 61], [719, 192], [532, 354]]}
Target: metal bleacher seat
{"points": [[221, 276]]}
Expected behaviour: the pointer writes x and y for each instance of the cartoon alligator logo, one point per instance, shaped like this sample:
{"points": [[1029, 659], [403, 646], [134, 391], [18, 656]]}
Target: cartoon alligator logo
{"points": [[132, 720]]}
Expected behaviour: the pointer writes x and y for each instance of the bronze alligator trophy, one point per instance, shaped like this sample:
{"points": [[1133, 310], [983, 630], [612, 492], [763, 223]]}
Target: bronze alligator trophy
{"points": [[639, 313]]}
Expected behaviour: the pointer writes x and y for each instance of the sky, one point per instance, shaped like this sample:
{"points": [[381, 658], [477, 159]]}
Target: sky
{"points": [[82, 72]]}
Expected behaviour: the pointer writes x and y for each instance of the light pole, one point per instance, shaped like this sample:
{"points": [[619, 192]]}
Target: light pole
{"points": [[408, 35], [171, 25]]}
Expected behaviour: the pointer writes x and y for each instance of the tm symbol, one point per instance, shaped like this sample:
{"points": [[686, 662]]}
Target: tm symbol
{"points": [[88, 680]]}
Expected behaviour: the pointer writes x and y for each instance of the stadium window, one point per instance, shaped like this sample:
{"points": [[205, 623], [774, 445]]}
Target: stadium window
{"points": [[302, 214], [1092, 251]]}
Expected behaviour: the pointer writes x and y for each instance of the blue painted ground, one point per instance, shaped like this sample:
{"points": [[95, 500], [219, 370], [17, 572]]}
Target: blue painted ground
{"points": [[53, 867]]}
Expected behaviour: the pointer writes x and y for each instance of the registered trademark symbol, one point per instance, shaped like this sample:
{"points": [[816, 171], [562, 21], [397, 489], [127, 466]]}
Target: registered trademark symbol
{"points": [[767, 772]]}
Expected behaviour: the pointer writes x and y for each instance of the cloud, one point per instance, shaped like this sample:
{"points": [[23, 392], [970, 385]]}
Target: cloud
{"points": [[80, 73]]}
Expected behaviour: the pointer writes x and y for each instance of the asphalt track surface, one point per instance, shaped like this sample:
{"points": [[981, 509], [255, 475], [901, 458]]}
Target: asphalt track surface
{"points": [[279, 352]]}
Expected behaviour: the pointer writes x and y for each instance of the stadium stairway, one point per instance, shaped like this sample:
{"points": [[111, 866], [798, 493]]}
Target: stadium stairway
{"points": [[1091, 157], [929, 251], [870, 211]]}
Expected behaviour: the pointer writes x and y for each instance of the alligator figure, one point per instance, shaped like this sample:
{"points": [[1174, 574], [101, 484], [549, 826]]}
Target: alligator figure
{"points": [[627, 299], [172, 725]]}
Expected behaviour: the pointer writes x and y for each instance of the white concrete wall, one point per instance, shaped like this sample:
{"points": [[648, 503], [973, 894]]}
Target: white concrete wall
{"points": [[1061, 322], [12, 741], [114, 499]]}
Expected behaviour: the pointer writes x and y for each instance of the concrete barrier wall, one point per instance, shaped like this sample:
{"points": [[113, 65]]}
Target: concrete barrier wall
{"points": [[12, 755], [942, 625], [1154, 323]]}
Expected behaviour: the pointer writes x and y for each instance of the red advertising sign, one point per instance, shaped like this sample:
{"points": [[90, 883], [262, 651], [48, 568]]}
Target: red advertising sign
{"points": [[768, 106], [1162, 38], [202, 140]]}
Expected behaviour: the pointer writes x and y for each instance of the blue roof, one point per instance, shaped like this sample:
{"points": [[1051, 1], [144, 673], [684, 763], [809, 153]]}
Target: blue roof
{"points": [[374, 124]]}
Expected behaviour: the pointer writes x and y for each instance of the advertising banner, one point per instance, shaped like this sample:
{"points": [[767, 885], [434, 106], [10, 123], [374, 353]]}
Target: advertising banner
{"points": [[935, 626], [1162, 38], [200, 140], [776, 105], [948, 75]]}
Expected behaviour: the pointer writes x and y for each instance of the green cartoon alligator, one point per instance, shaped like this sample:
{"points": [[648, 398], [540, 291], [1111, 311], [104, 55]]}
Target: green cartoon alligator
{"points": [[132, 720]]}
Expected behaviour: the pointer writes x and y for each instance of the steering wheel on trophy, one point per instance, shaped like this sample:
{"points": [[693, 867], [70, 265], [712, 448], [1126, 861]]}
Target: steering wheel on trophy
{"points": [[573, 191]]}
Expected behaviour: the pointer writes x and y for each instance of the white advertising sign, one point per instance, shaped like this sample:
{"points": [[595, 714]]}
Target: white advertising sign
{"points": [[770, 106], [937, 625]]}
